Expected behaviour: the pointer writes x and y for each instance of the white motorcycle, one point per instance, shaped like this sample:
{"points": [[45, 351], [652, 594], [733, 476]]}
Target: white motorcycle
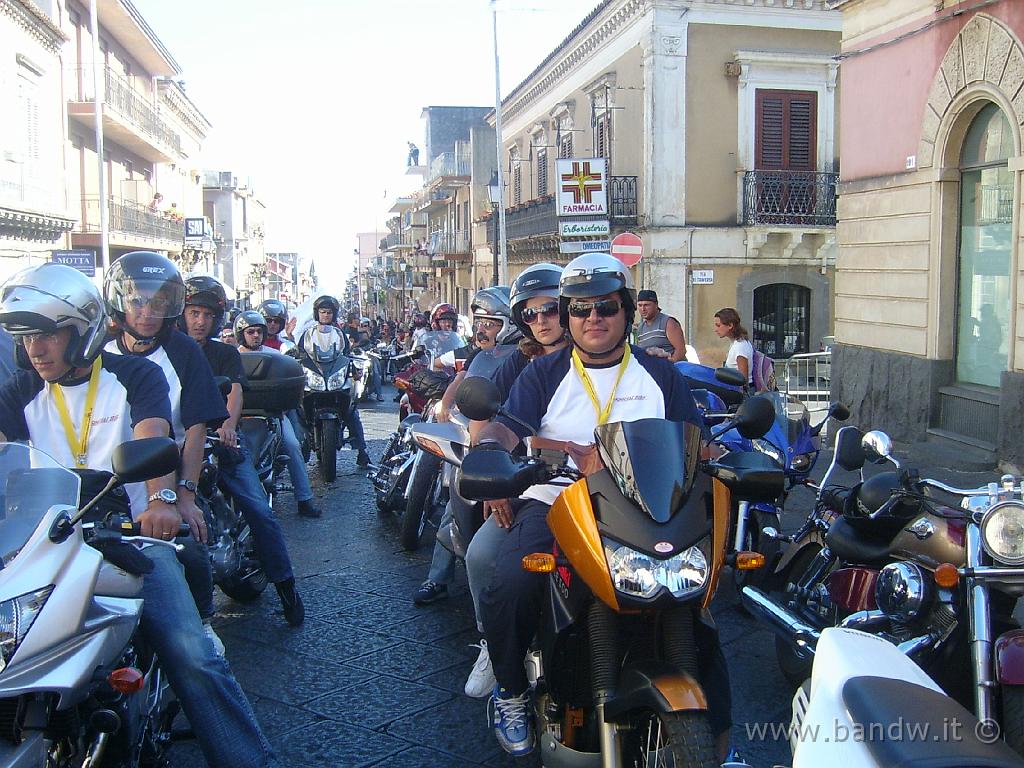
{"points": [[77, 686], [867, 705]]}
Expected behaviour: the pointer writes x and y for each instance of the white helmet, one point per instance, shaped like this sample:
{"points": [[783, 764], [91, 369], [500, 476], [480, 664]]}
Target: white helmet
{"points": [[48, 297], [595, 274]]}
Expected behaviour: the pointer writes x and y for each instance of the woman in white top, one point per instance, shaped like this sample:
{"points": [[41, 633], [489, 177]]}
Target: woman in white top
{"points": [[741, 352]]}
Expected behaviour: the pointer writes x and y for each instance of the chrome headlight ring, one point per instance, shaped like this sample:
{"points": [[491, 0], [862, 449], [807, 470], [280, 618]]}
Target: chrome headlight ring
{"points": [[1002, 532], [639, 574], [902, 591]]}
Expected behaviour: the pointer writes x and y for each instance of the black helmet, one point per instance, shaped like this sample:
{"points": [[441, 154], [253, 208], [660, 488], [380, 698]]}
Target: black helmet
{"points": [[136, 278], [273, 308], [206, 291], [326, 302], [419, 320], [248, 319], [48, 297], [536, 280]]}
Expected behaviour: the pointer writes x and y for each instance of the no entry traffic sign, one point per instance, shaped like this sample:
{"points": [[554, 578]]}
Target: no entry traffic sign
{"points": [[628, 248]]}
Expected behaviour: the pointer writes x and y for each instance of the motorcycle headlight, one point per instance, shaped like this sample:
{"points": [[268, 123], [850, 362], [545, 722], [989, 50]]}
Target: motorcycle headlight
{"points": [[16, 618], [314, 380], [769, 450], [902, 591], [801, 462], [642, 575], [1002, 532], [337, 380]]}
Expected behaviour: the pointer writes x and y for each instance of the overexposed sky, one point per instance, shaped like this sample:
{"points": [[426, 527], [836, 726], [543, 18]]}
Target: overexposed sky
{"points": [[316, 99]]}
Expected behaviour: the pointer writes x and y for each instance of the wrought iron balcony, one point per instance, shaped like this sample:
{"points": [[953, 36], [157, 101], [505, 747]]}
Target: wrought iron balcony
{"points": [[622, 200], [131, 219], [789, 198], [537, 217]]}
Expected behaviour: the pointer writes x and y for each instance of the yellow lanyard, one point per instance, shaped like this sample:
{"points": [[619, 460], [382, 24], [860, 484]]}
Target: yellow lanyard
{"points": [[78, 444], [588, 385]]}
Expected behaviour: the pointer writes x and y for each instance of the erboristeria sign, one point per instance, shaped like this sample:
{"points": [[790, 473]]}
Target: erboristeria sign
{"points": [[582, 186], [583, 228]]}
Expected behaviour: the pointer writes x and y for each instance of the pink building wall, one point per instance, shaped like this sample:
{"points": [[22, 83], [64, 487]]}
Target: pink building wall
{"points": [[883, 92]]}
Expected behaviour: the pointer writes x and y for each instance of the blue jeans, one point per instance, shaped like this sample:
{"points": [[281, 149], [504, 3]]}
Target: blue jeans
{"points": [[442, 565], [355, 429], [242, 484], [296, 466], [220, 715]]}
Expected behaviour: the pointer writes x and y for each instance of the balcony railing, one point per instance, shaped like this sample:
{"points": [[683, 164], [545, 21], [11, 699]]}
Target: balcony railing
{"points": [[449, 243], [622, 200], [450, 164], [537, 217], [132, 219], [789, 198], [135, 107]]}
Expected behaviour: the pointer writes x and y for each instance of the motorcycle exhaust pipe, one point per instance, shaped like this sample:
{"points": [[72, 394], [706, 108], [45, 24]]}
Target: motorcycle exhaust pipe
{"points": [[782, 621]]}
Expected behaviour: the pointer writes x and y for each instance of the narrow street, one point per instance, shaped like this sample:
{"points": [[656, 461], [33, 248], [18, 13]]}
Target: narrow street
{"points": [[372, 680]]}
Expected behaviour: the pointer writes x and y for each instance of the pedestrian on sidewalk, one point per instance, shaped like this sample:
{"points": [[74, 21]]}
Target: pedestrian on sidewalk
{"points": [[658, 334]]}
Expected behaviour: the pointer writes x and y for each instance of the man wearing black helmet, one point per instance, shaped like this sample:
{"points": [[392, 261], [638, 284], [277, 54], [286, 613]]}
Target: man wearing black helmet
{"points": [[563, 396], [205, 304], [59, 318]]}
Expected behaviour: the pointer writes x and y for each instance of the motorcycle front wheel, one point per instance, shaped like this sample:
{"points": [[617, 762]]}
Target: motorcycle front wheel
{"points": [[417, 500], [329, 449], [672, 740]]}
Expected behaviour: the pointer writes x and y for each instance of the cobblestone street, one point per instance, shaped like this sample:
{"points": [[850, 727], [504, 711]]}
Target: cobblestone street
{"points": [[372, 680]]}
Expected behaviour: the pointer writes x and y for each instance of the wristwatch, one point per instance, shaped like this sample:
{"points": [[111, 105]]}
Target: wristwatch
{"points": [[188, 485], [166, 495]]}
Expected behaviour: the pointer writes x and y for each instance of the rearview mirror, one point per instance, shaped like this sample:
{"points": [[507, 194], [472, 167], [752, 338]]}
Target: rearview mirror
{"points": [[877, 446], [754, 417], [839, 412], [145, 459], [479, 399]]}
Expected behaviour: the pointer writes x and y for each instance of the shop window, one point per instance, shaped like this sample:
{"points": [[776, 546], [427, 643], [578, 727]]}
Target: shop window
{"points": [[782, 319], [986, 229]]}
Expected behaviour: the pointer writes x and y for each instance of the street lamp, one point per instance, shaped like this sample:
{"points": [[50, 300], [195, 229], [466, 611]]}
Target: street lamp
{"points": [[402, 267], [494, 195]]}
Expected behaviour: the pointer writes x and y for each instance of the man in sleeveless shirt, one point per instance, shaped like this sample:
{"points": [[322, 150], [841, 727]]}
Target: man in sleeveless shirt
{"points": [[658, 334]]}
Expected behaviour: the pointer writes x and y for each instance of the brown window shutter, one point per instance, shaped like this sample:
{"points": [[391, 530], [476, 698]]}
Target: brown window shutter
{"points": [[786, 130]]}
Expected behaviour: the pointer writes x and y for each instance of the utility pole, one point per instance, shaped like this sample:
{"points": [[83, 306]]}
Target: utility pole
{"points": [[502, 252]]}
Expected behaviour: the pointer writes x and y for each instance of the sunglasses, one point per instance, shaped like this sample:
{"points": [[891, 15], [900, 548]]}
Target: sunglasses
{"points": [[487, 325], [605, 308], [532, 314]]}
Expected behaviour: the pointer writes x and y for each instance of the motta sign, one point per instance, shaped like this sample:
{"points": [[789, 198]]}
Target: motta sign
{"points": [[82, 260], [582, 186], [583, 228]]}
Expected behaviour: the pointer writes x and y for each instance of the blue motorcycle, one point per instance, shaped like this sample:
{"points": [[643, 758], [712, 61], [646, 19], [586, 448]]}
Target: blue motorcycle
{"points": [[791, 444]]}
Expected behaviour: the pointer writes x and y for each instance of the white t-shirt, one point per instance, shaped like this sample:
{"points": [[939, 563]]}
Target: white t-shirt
{"points": [[741, 348]]}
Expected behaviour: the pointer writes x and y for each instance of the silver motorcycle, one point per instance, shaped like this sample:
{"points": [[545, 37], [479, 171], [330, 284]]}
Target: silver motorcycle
{"points": [[77, 686]]}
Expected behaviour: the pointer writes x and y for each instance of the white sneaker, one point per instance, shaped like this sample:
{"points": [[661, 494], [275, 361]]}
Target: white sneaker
{"points": [[218, 644], [481, 680]]}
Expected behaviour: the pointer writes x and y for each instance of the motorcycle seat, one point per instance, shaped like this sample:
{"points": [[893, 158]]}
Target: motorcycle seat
{"points": [[750, 476], [906, 725], [853, 545]]}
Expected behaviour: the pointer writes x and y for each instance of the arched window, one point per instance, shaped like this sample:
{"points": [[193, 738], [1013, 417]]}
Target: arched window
{"points": [[986, 223], [781, 326]]}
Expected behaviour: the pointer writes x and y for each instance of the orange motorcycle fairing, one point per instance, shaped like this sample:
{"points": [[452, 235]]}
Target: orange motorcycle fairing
{"points": [[722, 500], [571, 520], [656, 686]]}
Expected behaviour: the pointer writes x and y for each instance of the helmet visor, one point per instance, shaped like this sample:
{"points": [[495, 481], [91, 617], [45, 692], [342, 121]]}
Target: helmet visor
{"points": [[591, 285], [158, 297]]}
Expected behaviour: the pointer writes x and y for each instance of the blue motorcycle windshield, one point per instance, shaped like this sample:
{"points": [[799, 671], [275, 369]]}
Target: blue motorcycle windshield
{"points": [[792, 419], [487, 362], [653, 462]]}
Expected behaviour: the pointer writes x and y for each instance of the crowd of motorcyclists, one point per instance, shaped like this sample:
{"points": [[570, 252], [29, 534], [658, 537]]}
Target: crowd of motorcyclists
{"points": [[572, 356]]}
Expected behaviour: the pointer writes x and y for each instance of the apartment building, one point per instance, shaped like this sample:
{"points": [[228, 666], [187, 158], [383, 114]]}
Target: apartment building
{"points": [[715, 123], [34, 211], [151, 133], [237, 217], [928, 305]]}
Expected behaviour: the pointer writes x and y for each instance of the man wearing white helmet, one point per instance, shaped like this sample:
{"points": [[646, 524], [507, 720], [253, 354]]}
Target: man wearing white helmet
{"points": [[563, 396], [78, 403]]}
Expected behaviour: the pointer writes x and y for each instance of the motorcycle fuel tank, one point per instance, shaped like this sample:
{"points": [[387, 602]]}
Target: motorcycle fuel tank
{"points": [[931, 540]]}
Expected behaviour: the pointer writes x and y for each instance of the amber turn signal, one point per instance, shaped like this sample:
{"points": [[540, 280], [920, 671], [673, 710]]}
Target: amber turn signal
{"points": [[539, 562], [126, 680], [429, 445], [749, 561], [947, 576]]}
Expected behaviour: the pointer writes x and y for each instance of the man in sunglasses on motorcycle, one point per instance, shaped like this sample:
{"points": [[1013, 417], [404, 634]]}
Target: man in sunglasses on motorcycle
{"points": [[58, 317], [562, 397]]}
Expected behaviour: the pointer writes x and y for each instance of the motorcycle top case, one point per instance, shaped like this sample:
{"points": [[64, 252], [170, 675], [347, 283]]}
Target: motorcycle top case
{"points": [[276, 382]]}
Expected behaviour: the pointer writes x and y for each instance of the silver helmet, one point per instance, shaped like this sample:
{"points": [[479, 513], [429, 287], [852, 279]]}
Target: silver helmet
{"points": [[48, 297], [493, 303]]}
